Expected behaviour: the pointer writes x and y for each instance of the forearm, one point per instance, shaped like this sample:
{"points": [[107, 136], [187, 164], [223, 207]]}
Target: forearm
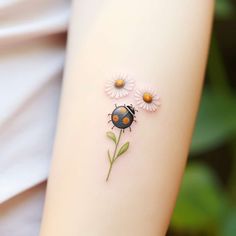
{"points": [[162, 45]]}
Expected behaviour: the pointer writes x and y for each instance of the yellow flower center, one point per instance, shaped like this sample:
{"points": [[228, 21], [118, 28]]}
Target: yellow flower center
{"points": [[119, 83], [147, 97]]}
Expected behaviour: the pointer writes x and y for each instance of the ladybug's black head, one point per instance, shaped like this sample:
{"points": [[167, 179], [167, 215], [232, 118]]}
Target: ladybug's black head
{"points": [[131, 109]]}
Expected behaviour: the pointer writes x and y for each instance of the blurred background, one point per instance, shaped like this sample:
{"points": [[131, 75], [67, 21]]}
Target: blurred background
{"points": [[206, 205]]}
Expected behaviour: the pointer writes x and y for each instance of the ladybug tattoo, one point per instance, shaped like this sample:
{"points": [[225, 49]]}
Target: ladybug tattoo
{"points": [[122, 117]]}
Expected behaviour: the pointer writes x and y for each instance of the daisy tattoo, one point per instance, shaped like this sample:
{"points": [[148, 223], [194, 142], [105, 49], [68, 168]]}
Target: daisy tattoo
{"points": [[147, 99], [123, 116], [119, 86]]}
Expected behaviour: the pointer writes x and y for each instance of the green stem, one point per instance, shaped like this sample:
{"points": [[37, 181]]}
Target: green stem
{"points": [[117, 143], [109, 171], [114, 156]]}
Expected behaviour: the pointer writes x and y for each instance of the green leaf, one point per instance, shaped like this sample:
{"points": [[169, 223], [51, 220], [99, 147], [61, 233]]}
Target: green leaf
{"points": [[229, 224], [224, 9], [216, 122], [112, 136], [123, 149], [109, 156], [201, 202], [216, 70]]}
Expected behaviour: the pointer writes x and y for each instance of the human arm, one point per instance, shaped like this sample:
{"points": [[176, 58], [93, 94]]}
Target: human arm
{"points": [[162, 44]]}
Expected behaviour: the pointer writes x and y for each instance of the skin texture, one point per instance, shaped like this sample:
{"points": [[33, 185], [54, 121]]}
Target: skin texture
{"points": [[161, 44]]}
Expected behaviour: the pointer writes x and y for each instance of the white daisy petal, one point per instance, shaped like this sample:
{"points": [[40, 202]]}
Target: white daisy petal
{"points": [[119, 86], [107, 89], [151, 103]]}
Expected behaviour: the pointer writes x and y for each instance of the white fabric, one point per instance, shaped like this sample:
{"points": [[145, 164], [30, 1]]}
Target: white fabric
{"points": [[21, 215], [32, 49]]}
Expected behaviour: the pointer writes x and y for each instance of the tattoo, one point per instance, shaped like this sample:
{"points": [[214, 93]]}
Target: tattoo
{"points": [[123, 116]]}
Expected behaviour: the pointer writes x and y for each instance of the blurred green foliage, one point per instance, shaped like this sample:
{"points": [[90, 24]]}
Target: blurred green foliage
{"points": [[201, 201], [207, 205], [224, 8]]}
